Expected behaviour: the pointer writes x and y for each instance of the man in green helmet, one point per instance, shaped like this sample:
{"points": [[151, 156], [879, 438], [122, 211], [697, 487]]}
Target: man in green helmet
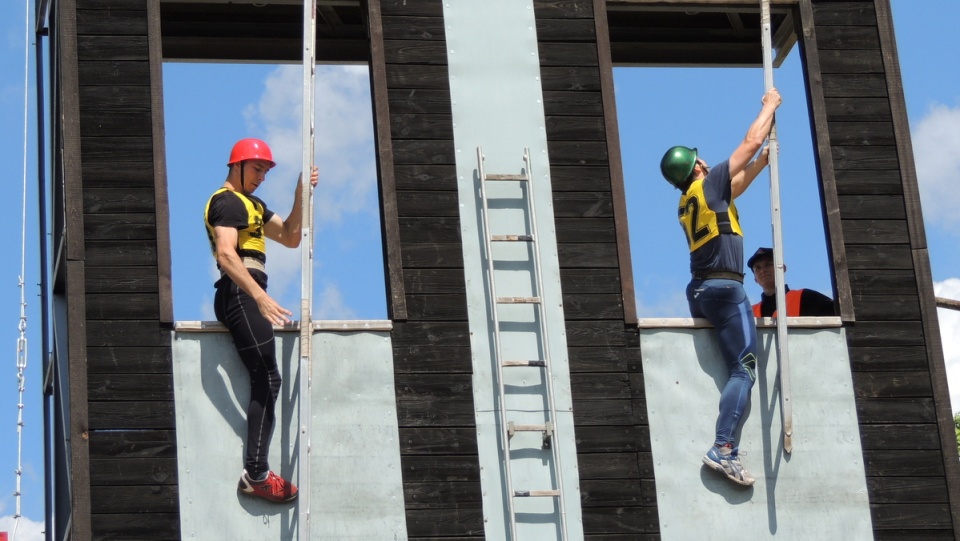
{"points": [[709, 220]]}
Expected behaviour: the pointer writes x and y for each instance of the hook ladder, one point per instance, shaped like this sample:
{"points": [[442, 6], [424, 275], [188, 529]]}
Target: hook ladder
{"points": [[783, 350], [306, 267], [513, 422]]}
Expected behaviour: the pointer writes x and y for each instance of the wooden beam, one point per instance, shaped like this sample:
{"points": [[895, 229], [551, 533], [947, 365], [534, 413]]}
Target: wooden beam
{"points": [[79, 428], [161, 200], [824, 157], [921, 257], [699, 5], [943, 302], [397, 307], [627, 292], [329, 16]]}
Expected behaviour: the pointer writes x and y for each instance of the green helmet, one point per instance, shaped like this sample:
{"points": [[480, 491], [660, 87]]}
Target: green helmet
{"points": [[677, 164]]}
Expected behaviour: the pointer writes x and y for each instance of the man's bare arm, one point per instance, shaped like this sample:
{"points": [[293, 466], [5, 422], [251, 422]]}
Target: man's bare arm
{"points": [[756, 134]]}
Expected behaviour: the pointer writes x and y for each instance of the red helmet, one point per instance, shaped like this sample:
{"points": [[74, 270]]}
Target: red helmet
{"points": [[251, 149]]}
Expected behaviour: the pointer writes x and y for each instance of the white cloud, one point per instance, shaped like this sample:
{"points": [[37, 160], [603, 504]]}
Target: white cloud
{"points": [[332, 305], [344, 154], [26, 530], [936, 147], [950, 336], [343, 127]]}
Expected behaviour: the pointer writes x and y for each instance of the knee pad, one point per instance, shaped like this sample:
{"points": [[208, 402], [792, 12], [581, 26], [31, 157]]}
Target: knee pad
{"points": [[275, 382], [749, 364]]}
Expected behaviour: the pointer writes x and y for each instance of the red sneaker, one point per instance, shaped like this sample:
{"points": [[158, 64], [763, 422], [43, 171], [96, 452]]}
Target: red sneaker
{"points": [[273, 488]]}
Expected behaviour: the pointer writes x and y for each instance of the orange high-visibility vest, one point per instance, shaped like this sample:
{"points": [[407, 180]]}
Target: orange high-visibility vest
{"points": [[793, 304]]}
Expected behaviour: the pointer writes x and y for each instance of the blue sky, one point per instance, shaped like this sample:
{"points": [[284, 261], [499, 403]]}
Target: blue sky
{"points": [[658, 108]]}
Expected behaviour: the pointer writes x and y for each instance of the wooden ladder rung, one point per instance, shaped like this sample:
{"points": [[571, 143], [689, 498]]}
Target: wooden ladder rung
{"points": [[506, 177], [528, 428], [511, 238], [538, 362], [518, 300], [536, 493]]}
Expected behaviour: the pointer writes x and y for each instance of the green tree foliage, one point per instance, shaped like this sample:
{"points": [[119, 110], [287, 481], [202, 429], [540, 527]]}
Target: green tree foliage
{"points": [[956, 426]]}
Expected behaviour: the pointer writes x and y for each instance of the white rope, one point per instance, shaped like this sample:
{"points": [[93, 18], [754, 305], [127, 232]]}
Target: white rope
{"points": [[22, 325]]}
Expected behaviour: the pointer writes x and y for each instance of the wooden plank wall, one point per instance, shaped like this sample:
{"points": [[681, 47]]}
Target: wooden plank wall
{"points": [[433, 369], [431, 347], [864, 143], [132, 447], [618, 494]]}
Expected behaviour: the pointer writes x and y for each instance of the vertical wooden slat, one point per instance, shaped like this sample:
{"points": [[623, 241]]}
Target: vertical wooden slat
{"points": [[388, 191], [921, 257], [69, 94], [616, 165], [79, 422], [79, 462], [824, 157], [901, 127], [161, 201]]}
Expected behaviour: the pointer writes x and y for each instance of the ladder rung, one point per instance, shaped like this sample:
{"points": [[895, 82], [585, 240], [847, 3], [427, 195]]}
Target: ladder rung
{"points": [[507, 177], [518, 300], [536, 493], [528, 428], [525, 363], [511, 238]]}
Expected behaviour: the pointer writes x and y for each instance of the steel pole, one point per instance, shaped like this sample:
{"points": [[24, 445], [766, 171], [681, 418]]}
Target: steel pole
{"points": [[306, 265], [783, 353]]}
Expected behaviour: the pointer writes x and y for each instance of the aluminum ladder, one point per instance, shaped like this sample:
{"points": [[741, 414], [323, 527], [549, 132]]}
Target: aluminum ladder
{"points": [[509, 428]]}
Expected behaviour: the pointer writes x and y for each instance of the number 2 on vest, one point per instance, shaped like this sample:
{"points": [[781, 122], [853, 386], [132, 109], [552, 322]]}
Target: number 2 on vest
{"points": [[689, 215]]}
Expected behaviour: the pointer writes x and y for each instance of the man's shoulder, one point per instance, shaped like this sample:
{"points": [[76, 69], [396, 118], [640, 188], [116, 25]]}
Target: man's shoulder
{"points": [[223, 194], [814, 303], [224, 209], [813, 293], [718, 179], [233, 198]]}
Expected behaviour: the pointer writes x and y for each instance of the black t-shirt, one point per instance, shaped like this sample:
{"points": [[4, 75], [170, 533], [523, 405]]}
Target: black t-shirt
{"points": [[227, 209]]}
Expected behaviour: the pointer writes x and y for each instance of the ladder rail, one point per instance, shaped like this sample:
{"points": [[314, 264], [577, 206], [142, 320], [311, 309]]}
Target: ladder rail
{"points": [[306, 268], [545, 344], [498, 354], [507, 429]]}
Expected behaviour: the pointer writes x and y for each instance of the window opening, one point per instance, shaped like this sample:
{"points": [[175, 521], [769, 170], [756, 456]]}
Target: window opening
{"points": [[711, 108], [203, 121]]}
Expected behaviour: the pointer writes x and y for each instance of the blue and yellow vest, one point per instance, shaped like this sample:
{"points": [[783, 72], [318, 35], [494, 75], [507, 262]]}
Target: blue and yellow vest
{"points": [[700, 223]]}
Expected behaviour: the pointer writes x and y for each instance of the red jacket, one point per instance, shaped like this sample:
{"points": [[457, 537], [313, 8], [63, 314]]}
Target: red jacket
{"points": [[793, 304]]}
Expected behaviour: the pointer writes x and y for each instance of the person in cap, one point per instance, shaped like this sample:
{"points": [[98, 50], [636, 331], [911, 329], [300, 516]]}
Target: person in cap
{"points": [[237, 223], [800, 302], [708, 217]]}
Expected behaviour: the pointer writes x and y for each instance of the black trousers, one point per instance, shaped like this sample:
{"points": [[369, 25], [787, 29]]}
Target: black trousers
{"points": [[253, 337]]}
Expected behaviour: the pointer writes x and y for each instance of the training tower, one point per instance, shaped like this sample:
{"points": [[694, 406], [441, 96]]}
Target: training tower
{"points": [[512, 320]]}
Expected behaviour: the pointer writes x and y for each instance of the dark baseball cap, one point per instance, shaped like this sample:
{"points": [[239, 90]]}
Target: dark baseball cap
{"points": [[758, 255]]}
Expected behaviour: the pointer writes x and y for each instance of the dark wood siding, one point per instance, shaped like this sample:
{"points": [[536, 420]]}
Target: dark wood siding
{"points": [[133, 490], [617, 487], [116, 275], [870, 187], [431, 348], [431, 342]]}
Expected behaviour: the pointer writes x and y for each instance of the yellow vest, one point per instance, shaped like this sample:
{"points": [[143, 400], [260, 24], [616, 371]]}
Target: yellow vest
{"points": [[700, 223], [250, 238]]}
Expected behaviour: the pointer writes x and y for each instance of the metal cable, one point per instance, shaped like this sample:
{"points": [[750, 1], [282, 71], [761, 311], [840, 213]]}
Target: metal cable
{"points": [[22, 325]]}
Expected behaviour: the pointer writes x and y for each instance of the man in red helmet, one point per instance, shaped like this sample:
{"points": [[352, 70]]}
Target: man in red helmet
{"points": [[237, 222]]}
